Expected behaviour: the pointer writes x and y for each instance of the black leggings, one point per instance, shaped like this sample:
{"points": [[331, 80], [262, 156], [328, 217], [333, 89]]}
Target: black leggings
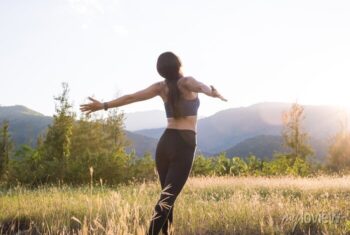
{"points": [[174, 159]]}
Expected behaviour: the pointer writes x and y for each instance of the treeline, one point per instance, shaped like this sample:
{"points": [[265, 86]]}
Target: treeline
{"points": [[252, 166], [76, 151]]}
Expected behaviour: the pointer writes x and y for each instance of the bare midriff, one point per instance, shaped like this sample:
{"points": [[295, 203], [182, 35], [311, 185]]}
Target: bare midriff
{"points": [[185, 123]]}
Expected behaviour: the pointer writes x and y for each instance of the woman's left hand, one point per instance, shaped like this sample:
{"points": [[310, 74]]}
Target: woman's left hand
{"points": [[217, 94], [91, 107]]}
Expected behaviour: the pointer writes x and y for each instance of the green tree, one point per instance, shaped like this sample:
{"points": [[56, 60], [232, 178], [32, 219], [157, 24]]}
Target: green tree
{"points": [[294, 137], [143, 168], [26, 166], [238, 166], [300, 167], [56, 146], [280, 165], [221, 164], [201, 166], [254, 165], [6, 146], [99, 143]]}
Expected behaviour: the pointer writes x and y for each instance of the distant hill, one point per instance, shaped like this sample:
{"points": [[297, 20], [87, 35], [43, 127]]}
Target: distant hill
{"points": [[153, 133], [262, 146], [25, 124], [225, 129], [240, 131], [146, 119], [265, 146], [141, 144]]}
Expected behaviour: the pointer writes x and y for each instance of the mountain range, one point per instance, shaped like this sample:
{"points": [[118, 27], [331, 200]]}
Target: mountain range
{"points": [[241, 131]]}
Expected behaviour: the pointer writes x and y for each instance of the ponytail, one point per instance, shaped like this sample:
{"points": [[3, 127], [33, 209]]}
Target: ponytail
{"points": [[168, 66]]}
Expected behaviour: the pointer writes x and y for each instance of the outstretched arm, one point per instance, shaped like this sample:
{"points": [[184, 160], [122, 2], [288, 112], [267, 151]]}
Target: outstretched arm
{"points": [[196, 86], [144, 94]]}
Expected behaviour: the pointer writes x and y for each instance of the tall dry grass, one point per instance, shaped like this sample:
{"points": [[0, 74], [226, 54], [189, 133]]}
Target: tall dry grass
{"points": [[207, 205]]}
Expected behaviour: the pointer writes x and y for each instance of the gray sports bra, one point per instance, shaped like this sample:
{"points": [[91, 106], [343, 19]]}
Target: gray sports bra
{"points": [[188, 107]]}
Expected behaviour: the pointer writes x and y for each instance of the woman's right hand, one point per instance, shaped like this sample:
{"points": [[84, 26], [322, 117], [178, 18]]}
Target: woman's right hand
{"points": [[91, 107], [215, 93]]}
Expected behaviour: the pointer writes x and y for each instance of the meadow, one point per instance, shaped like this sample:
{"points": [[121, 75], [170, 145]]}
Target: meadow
{"points": [[207, 205]]}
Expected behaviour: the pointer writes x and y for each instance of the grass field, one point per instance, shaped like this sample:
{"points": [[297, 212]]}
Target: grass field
{"points": [[207, 205]]}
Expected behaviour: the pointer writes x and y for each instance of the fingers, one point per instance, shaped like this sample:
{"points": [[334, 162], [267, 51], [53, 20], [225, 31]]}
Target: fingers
{"points": [[222, 98], [84, 106], [92, 99], [218, 94], [84, 109], [88, 111], [88, 108]]}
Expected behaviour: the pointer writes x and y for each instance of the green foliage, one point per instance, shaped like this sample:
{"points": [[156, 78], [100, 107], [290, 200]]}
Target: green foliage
{"points": [[254, 165], [26, 167], [99, 144], [6, 147], [238, 166], [56, 147], [221, 165], [279, 166], [142, 168], [300, 167], [201, 166], [72, 147]]}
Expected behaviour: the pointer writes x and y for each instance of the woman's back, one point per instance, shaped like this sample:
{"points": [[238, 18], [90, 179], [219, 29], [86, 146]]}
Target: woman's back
{"points": [[190, 102]]}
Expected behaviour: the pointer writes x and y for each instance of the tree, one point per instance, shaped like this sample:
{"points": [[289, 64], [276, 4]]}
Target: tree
{"points": [[98, 143], [238, 167], [294, 137], [143, 168], [26, 166], [339, 150], [6, 146], [254, 165], [56, 147], [221, 164], [201, 166]]}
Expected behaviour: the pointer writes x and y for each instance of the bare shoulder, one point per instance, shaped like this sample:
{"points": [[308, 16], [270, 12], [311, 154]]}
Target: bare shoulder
{"points": [[159, 85], [186, 80]]}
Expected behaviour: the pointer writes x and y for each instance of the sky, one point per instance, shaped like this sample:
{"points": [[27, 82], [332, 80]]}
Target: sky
{"points": [[251, 51]]}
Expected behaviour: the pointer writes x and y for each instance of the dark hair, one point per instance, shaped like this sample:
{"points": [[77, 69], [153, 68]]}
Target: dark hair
{"points": [[168, 66]]}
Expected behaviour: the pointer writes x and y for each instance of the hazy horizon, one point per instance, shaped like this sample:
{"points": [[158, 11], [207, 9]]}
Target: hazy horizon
{"points": [[341, 107]]}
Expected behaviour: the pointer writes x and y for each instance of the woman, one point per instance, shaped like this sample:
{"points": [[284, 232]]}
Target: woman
{"points": [[176, 147]]}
